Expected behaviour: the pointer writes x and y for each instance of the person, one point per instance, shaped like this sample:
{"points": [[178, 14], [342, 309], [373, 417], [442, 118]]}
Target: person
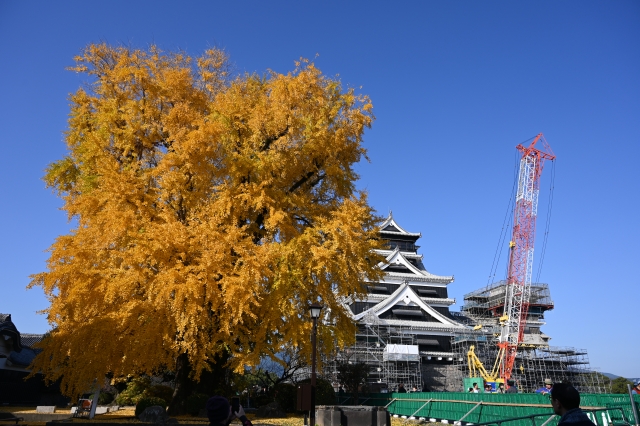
{"points": [[500, 388], [635, 390], [487, 388], [565, 401], [414, 389], [512, 387], [220, 414], [401, 388], [341, 390], [546, 388], [475, 388], [470, 390]]}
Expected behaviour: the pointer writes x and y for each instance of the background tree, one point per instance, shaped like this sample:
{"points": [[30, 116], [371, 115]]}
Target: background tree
{"points": [[353, 375], [210, 212], [281, 367], [619, 385]]}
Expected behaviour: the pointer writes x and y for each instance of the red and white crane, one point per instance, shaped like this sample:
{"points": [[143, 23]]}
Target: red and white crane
{"points": [[521, 252]]}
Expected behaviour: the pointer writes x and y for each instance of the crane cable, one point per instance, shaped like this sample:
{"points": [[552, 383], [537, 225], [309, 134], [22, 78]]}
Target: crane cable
{"points": [[506, 224], [548, 221]]}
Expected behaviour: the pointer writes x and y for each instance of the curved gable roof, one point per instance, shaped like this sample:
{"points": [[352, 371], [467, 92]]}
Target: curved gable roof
{"points": [[390, 226], [405, 294], [396, 257]]}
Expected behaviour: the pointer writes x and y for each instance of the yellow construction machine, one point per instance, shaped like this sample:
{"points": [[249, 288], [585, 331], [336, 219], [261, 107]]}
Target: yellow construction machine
{"points": [[476, 368]]}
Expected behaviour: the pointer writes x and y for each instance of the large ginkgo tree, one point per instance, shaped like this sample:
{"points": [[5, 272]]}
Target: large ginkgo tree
{"points": [[211, 210]]}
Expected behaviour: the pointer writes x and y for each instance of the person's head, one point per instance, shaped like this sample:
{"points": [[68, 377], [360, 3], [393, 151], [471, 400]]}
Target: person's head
{"points": [[511, 382], [475, 385], [564, 397], [548, 383], [501, 385], [218, 409]]}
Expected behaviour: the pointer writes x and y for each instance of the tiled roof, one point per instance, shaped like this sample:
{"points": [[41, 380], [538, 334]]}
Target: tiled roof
{"points": [[405, 294], [396, 229], [19, 339], [413, 277], [407, 254], [422, 325], [397, 259], [429, 300], [30, 339]]}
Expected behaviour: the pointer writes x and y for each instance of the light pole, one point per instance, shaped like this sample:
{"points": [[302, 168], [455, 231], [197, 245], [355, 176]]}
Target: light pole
{"points": [[314, 310]]}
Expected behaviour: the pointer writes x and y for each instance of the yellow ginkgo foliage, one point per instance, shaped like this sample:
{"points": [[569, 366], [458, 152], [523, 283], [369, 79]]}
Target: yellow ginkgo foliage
{"points": [[211, 211]]}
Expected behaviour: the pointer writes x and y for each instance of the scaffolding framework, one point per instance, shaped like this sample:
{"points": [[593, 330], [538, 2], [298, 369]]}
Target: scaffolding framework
{"points": [[488, 303], [535, 360], [386, 372], [533, 364]]}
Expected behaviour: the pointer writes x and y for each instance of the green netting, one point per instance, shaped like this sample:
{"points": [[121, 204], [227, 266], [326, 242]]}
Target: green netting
{"points": [[454, 406]]}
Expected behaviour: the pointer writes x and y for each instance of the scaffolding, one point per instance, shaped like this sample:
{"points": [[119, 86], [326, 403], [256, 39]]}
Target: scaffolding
{"points": [[486, 304], [533, 364], [390, 352], [535, 360]]}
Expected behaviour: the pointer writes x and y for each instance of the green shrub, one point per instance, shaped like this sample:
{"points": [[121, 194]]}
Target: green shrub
{"points": [[160, 391], [196, 402], [105, 398], [286, 396], [147, 402], [141, 387], [134, 392]]}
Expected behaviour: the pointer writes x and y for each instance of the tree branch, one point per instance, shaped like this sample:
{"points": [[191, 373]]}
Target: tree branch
{"points": [[267, 142]]}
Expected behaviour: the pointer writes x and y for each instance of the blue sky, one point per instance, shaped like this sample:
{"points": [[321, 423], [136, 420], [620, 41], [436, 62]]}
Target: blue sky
{"points": [[456, 85]]}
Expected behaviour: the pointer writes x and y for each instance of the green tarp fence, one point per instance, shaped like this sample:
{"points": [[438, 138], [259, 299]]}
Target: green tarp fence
{"points": [[482, 408]]}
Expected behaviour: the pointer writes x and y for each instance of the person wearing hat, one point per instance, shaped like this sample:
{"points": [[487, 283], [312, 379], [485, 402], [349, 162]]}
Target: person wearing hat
{"points": [[220, 414], [565, 400], [546, 389]]}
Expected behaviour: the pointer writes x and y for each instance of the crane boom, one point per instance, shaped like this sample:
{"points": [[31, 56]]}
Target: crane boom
{"points": [[521, 246]]}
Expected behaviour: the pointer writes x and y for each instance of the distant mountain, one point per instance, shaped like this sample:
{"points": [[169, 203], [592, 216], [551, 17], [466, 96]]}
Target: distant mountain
{"points": [[613, 376]]}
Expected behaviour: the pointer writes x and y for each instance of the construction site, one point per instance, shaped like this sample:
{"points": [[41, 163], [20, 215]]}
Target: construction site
{"points": [[395, 357], [535, 359], [408, 335]]}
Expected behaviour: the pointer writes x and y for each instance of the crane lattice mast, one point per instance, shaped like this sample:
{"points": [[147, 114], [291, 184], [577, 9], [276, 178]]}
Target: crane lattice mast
{"points": [[521, 245]]}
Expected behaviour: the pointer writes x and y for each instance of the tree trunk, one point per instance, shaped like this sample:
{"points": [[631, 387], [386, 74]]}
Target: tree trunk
{"points": [[184, 386]]}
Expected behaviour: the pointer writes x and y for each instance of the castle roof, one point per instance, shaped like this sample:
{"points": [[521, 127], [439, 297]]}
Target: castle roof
{"points": [[390, 227], [405, 294], [397, 264]]}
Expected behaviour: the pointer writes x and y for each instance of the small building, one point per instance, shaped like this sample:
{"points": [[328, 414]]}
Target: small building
{"points": [[16, 353]]}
